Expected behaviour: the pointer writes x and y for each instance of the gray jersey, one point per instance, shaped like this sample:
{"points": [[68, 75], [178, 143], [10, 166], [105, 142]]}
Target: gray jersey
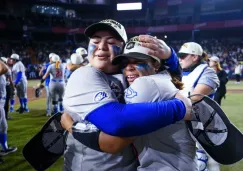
{"points": [[86, 90], [18, 67], [2, 86], [56, 73], [170, 148]]}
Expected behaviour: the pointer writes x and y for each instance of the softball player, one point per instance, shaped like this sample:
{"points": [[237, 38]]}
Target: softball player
{"points": [[20, 82], [198, 78], [56, 86], [85, 100], [169, 148], [76, 61], [47, 82], [9, 87], [3, 122]]}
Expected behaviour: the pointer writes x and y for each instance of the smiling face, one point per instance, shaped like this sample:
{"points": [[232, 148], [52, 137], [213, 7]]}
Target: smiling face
{"points": [[103, 47], [134, 68]]}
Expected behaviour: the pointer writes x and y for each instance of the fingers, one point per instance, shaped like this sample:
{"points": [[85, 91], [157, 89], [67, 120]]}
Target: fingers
{"points": [[148, 39], [151, 46]]}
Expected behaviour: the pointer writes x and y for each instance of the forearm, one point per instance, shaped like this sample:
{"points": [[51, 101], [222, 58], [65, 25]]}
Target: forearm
{"points": [[91, 137], [19, 77], [173, 65], [112, 144], [3, 68], [136, 119], [72, 67]]}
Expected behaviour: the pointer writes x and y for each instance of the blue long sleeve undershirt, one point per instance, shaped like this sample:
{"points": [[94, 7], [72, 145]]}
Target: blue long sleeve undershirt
{"points": [[126, 120], [173, 63], [18, 78]]}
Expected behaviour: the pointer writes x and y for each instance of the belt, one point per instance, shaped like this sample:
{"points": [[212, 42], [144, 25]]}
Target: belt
{"points": [[2, 98], [57, 80]]}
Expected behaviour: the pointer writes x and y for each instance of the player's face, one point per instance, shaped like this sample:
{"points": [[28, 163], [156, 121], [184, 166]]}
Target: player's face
{"points": [[212, 63], [187, 60], [103, 47], [134, 68], [12, 61]]}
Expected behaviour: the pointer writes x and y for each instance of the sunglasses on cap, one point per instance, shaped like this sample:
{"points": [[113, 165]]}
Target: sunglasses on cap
{"points": [[182, 55]]}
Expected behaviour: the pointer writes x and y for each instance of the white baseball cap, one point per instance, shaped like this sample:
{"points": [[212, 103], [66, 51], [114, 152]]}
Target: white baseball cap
{"points": [[14, 56], [76, 59], [214, 58], [81, 51], [4, 59], [55, 58], [51, 54], [191, 48], [134, 49], [107, 24]]}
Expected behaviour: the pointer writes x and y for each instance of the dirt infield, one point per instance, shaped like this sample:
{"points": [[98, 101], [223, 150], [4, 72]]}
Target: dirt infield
{"points": [[235, 91], [31, 94]]}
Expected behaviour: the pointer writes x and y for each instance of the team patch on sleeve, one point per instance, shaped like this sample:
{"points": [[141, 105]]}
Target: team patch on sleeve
{"points": [[101, 96], [130, 93]]}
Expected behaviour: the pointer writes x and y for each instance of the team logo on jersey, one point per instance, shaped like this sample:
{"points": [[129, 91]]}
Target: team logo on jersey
{"points": [[100, 96], [130, 93]]}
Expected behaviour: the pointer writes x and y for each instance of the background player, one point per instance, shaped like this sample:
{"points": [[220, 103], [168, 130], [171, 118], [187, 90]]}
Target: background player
{"points": [[198, 78], [57, 82], [20, 82], [47, 82], [3, 122], [9, 87], [74, 63]]}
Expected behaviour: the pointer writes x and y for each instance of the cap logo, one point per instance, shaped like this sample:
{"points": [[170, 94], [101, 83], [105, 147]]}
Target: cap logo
{"points": [[109, 21], [185, 45], [130, 45]]}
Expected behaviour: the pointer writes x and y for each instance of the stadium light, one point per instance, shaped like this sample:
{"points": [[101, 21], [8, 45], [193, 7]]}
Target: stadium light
{"points": [[129, 6]]}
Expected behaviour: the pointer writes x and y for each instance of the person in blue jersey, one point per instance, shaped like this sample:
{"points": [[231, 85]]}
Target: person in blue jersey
{"points": [[47, 81]]}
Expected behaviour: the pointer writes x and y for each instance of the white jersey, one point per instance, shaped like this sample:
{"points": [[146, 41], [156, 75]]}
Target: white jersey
{"points": [[238, 69], [202, 74], [167, 149], [56, 74], [18, 67]]}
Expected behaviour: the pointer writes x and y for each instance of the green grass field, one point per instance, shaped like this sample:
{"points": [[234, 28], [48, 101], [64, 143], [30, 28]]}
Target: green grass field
{"points": [[23, 126]]}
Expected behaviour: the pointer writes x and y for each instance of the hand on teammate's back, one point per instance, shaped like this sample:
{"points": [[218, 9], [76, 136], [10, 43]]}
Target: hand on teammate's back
{"points": [[67, 122], [157, 47], [188, 104]]}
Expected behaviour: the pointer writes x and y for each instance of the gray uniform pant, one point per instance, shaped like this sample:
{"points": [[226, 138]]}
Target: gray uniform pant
{"points": [[48, 100], [3, 121], [22, 89], [56, 90]]}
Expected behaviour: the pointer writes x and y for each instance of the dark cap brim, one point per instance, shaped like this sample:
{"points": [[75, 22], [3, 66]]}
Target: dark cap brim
{"points": [[118, 59], [230, 151], [90, 30], [39, 152]]}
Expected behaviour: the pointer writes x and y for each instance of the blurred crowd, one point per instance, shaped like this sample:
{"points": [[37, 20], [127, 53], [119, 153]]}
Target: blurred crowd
{"points": [[229, 52]]}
